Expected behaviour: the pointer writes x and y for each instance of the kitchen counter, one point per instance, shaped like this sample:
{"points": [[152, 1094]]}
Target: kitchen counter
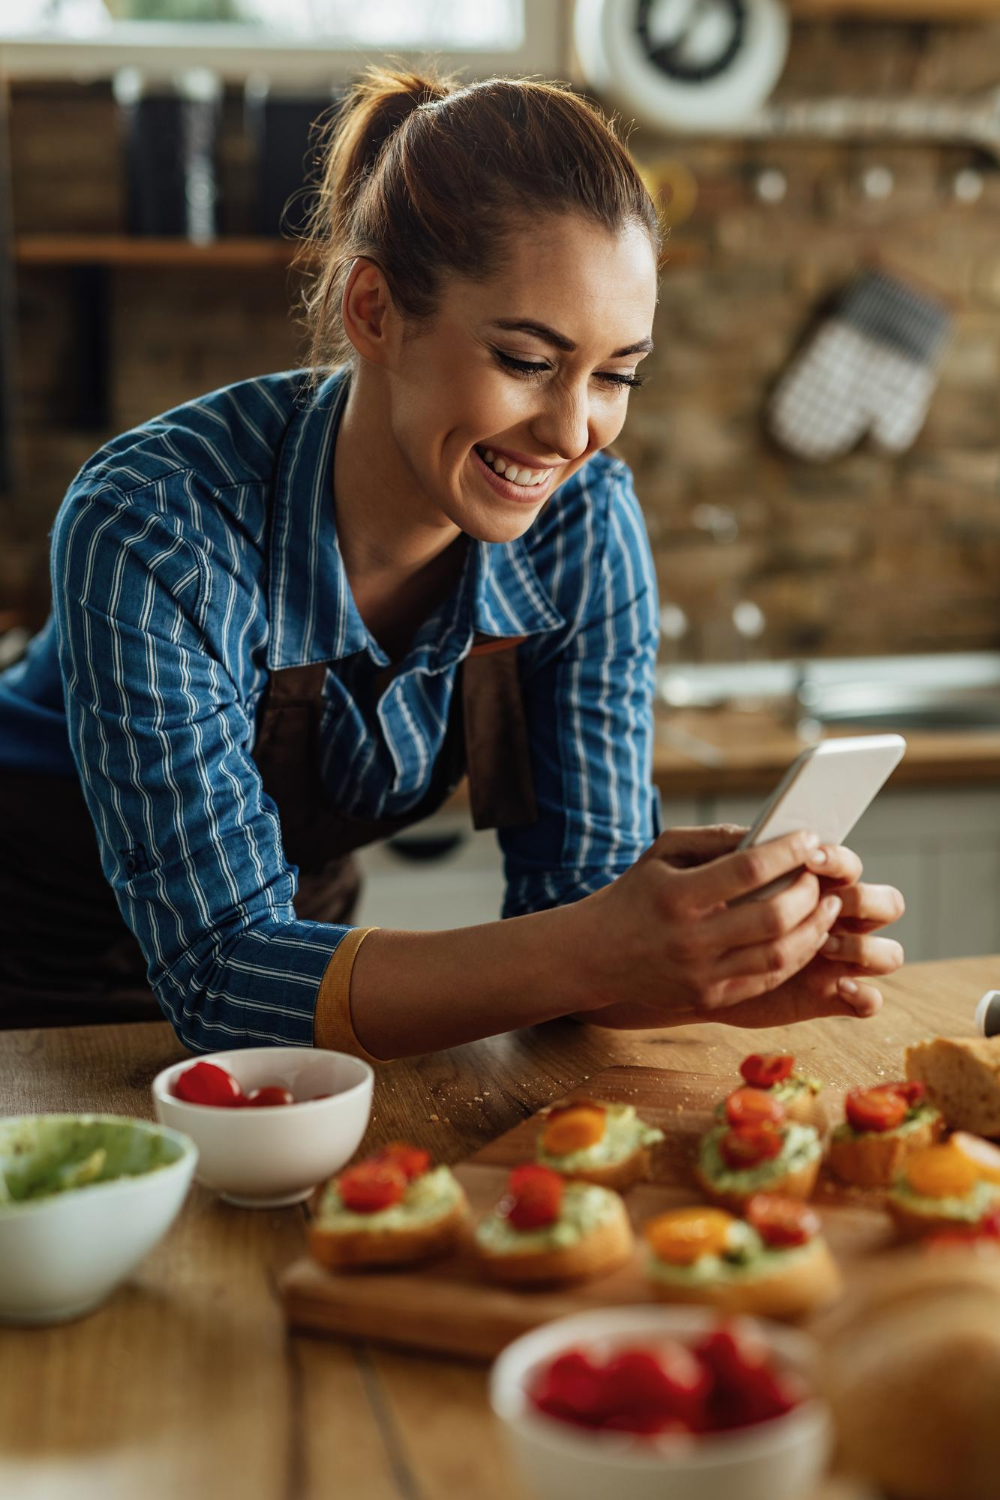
{"points": [[736, 751], [186, 1383]]}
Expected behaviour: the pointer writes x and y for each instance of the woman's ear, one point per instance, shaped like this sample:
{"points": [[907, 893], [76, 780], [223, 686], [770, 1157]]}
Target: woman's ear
{"points": [[366, 309]]}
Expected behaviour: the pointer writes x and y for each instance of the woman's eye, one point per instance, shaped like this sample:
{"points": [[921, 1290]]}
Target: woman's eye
{"points": [[628, 382], [522, 366], [530, 367]]}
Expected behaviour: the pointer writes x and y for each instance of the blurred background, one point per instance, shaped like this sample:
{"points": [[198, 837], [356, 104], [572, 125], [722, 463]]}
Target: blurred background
{"points": [[817, 450]]}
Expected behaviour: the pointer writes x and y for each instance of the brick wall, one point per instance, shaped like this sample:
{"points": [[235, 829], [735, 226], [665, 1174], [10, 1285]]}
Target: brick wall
{"points": [[867, 554]]}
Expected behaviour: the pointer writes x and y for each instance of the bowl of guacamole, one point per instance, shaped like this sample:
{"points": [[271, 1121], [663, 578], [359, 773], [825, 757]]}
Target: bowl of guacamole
{"points": [[82, 1199]]}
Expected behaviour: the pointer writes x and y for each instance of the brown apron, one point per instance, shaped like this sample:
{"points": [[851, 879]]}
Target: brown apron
{"points": [[66, 956]]}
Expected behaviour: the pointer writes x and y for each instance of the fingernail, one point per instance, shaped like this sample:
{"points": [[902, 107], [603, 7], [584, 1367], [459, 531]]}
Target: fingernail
{"points": [[818, 857], [810, 840], [831, 905], [832, 945], [848, 987]]}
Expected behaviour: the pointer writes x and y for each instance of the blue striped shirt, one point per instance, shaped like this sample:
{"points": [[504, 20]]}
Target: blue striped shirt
{"points": [[196, 554]]}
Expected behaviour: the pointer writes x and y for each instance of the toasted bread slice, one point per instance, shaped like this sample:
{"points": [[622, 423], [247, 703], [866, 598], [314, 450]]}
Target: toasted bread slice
{"points": [[619, 1175], [798, 1184], [913, 1220], [810, 1280], [962, 1077], [344, 1249], [875, 1158], [604, 1249], [808, 1108]]}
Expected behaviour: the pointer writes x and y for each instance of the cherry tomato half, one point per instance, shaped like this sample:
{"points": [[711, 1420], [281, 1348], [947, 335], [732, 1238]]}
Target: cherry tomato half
{"points": [[782, 1222], [207, 1083], [269, 1096], [912, 1092], [533, 1197], [412, 1161], [754, 1107], [371, 1186], [762, 1070], [882, 1108], [746, 1145]]}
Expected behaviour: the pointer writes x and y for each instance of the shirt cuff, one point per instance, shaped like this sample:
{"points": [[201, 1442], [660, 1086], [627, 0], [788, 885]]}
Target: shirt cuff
{"points": [[333, 1027]]}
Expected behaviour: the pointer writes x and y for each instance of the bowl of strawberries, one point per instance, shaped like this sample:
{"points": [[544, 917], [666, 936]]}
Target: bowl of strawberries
{"points": [[656, 1401]]}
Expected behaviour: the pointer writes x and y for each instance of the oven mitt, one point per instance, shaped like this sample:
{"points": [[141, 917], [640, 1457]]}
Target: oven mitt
{"points": [[871, 369]]}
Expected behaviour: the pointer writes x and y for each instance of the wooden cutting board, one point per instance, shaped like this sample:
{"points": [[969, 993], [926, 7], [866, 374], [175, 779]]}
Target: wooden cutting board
{"points": [[447, 1307]]}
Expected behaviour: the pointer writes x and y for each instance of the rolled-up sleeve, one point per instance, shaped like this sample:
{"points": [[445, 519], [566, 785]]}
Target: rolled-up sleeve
{"points": [[161, 737], [590, 712]]}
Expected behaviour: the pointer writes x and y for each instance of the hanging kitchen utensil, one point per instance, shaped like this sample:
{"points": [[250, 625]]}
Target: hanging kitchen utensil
{"points": [[688, 64]]}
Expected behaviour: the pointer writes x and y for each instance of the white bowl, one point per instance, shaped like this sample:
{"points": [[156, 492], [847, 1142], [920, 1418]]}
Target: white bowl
{"points": [[267, 1158], [777, 1460], [62, 1255]]}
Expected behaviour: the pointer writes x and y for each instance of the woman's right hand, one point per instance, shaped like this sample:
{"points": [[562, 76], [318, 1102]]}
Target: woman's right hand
{"points": [[672, 948]]}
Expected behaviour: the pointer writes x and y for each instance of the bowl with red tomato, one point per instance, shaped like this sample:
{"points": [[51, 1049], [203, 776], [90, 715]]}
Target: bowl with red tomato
{"points": [[647, 1402], [269, 1122]]}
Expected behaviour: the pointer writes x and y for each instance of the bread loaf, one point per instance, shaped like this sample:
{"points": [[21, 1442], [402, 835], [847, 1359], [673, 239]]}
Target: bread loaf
{"points": [[962, 1078], [911, 1367]]}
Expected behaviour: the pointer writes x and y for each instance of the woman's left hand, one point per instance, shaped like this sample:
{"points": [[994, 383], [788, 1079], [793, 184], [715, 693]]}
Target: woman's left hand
{"points": [[851, 956]]}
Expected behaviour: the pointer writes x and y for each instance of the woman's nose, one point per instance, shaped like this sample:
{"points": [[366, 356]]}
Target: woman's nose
{"points": [[563, 425]]}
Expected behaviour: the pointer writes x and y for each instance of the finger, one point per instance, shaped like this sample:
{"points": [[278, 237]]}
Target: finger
{"points": [[836, 864], [787, 1010], [874, 955], [864, 999], [785, 955], [870, 906], [753, 921], [739, 874], [686, 848]]}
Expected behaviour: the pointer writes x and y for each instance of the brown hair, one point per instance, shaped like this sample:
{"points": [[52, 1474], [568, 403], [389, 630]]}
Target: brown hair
{"points": [[419, 171]]}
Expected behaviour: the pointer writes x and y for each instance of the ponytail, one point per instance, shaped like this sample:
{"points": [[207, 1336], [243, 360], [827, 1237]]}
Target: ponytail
{"points": [[419, 171]]}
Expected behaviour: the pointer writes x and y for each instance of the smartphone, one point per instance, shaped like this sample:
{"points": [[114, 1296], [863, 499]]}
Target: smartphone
{"points": [[826, 789]]}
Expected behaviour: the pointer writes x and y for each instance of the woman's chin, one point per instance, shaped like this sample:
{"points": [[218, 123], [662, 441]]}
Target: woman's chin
{"points": [[484, 525]]}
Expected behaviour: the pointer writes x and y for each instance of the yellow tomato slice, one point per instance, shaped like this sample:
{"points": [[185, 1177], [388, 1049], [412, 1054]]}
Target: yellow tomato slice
{"points": [[574, 1128], [941, 1172], [984, 1154], [684, 1235]]}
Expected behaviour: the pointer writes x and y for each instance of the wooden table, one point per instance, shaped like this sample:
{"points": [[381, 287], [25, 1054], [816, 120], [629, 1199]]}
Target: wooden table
{"points": [[186, 1385]]}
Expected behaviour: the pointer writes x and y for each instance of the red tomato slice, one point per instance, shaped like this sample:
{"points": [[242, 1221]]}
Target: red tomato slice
{"points": [[207, 1083], [270, 1096], [882, 1108], [412, 1161], [754, 1107], [746, 1145], [913, 1092], [987, 1232], [371, 1186], [781, 1222], [670, 1381], [533, 1197], [762, 1070]]}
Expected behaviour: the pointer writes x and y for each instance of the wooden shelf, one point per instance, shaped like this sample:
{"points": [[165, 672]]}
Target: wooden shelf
{"points": [[896, 10], [124, 251], [137, 251]]}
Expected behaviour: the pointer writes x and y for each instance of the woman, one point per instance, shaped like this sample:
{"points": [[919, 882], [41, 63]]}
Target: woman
{"points": [[288, 615]]}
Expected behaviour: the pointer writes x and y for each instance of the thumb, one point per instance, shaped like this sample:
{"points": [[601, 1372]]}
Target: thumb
{"points": [[686, 847]]}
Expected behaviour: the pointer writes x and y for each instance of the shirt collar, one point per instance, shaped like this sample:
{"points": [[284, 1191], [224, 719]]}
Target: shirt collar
{"points": [[312, 613]]}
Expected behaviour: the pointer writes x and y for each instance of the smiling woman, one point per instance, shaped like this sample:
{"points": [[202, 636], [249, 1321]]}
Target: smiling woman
{"points": [[289, 615]]}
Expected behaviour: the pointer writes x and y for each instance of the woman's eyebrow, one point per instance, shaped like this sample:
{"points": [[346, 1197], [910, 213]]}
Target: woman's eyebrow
{"points": [[559, 340]]}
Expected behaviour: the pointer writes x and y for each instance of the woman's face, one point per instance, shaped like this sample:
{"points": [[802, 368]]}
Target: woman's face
{"points": [[528, 372]]}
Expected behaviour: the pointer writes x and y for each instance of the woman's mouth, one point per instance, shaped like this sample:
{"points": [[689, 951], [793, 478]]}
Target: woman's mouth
{"points": [[515, 480]]}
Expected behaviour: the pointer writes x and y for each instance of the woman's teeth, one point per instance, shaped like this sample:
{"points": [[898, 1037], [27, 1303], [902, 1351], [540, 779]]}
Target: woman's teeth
{"points": [[524, 477]]}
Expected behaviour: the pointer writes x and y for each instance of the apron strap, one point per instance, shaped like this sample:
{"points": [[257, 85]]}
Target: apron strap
{"points": [[498, 754]]}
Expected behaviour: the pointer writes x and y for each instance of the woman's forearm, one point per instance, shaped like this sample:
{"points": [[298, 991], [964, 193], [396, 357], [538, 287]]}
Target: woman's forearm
{"points": [[422, 991]]}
